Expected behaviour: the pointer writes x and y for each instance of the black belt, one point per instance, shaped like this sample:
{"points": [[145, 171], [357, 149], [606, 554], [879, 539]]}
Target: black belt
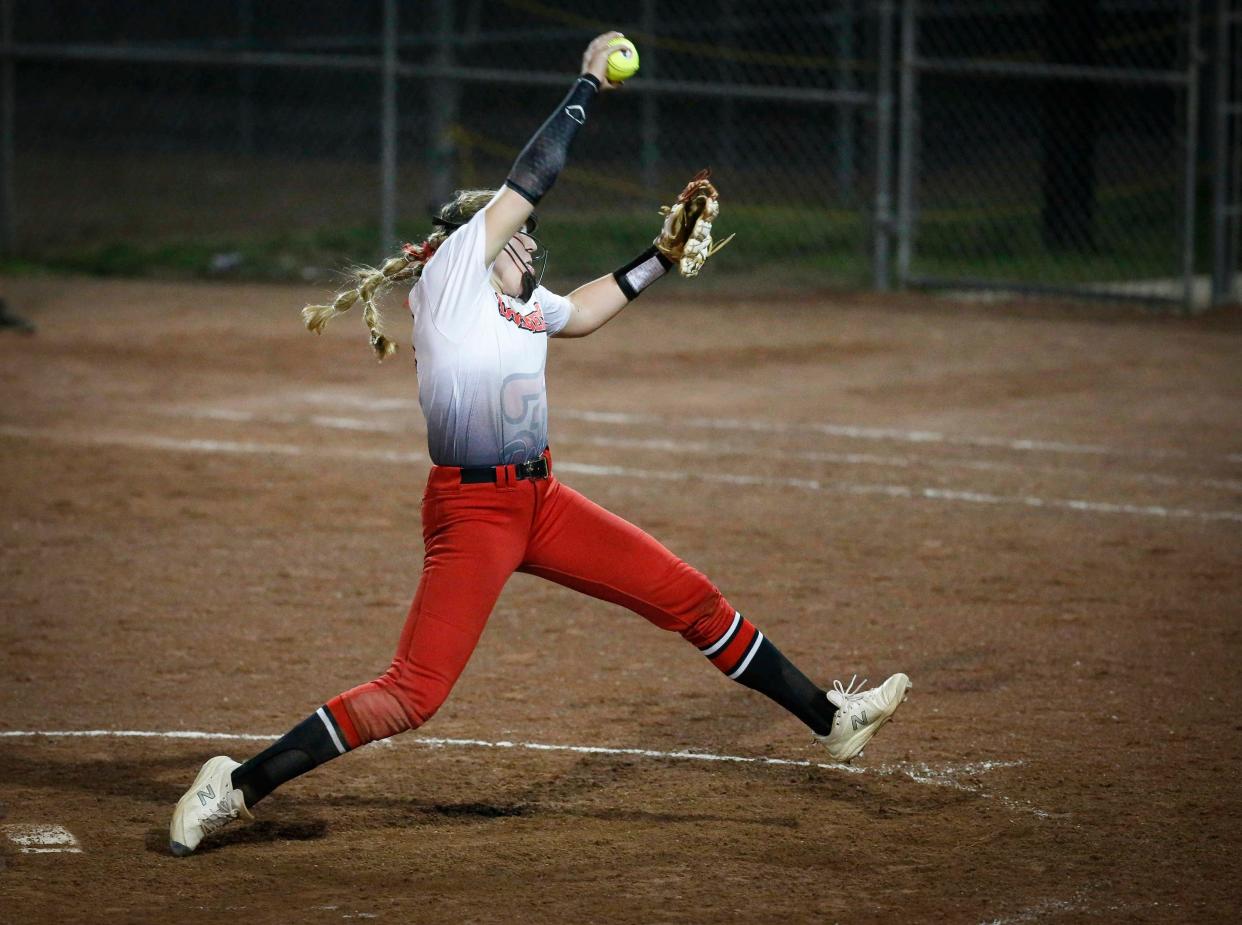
{"points": [[536, 468]]}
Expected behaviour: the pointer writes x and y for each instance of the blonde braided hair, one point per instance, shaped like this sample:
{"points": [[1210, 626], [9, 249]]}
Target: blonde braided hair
{"points": [[369, 283]]}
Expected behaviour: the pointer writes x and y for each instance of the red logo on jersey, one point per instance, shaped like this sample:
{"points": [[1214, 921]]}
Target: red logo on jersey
{"points": [[533, 321]]}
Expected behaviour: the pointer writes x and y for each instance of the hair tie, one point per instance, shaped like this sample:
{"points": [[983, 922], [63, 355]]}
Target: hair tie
{"points": [[421, 252]]}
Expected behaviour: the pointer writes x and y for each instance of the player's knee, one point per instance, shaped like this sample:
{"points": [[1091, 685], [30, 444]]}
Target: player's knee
{"points": [[418, 695], [372, 711], [709, 618]]}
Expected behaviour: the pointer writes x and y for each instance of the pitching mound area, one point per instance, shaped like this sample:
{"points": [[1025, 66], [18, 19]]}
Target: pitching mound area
{"points": [[211, 526]]}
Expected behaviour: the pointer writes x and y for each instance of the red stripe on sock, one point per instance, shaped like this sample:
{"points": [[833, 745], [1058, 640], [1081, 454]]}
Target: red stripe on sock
{"points": [[336, 706], [727, 658]]}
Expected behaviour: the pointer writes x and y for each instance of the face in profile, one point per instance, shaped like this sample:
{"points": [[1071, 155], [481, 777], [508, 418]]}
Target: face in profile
{"points": [[515, 267]]}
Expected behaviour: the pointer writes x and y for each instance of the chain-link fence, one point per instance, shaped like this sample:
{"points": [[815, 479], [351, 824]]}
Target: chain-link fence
{"points": [[1056, 146], [1025, 143], [252, 138], [778, 101]]}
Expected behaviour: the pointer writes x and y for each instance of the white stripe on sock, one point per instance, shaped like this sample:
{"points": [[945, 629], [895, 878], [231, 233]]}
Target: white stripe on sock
{"points": [[336, 740], [749, 655], [725, 638]]}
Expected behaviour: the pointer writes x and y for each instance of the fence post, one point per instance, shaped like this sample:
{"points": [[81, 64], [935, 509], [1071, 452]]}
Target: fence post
{"points": [[443, 97], [907, 141], [245, 79], [725, 72], [1192, 156], [846, 112], [1222, 259], [8, 127], [388, 131], [881, 271]]}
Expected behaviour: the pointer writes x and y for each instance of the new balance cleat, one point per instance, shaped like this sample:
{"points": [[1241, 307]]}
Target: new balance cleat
{"points": [[860, 714], [211, 803]]}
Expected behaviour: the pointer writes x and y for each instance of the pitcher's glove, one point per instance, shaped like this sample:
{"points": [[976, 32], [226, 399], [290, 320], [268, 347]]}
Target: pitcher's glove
{"points": [[686, 237]]}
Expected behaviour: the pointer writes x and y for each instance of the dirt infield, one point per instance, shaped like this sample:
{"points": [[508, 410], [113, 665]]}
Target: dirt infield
{"points": [[211, 524]]}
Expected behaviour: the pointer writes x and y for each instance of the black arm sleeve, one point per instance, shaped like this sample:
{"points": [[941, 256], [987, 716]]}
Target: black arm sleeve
{"points": [[537, 167]]}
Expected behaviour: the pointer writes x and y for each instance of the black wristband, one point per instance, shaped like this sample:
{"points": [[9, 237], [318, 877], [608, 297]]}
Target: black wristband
{"points": [[641, 272], [544, 156]]}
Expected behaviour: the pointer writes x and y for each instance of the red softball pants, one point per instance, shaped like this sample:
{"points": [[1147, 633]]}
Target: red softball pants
{"points": [[476, 536]]}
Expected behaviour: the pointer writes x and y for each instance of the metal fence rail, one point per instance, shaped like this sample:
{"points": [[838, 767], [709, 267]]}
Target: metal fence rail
{"points": [[1053, 148], [288, 137], [1024, 145]]}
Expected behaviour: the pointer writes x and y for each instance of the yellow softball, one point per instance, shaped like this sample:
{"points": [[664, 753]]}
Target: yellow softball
{"points": [[622, 63]]}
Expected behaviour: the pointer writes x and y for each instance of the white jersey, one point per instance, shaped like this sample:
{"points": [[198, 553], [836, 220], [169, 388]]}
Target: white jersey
{"points": [[481, 357]]}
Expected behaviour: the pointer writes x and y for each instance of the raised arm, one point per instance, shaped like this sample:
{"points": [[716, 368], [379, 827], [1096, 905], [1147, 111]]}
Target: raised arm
{"points": [[544, 156]]}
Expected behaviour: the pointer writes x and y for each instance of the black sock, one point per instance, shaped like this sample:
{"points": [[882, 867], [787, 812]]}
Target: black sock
{"points": [[306, 746], [775, 676]]}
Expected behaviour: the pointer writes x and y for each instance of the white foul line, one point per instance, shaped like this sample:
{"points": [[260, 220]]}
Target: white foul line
{"points": [[893, 462], [134, 734], [175, 444], [763, 425], [227, 447], [944, 776], [905, 491], [705, 448], [867, 433]]}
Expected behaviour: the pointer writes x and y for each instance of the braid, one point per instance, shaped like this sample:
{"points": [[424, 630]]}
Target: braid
{"points": [[370, 283]]}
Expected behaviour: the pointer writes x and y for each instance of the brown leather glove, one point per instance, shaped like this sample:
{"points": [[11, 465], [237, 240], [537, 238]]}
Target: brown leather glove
{"points": [[686, 237]]}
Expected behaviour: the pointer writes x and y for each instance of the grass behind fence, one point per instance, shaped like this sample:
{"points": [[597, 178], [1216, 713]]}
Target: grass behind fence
{"points": [[790, 246]]}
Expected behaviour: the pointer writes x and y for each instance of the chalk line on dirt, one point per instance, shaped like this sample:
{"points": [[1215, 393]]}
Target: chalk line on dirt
{"points": [[764, 425], [707, 448], [906, 491], [761, 425], [174, 444], [949, 775], [920, 773], [42, 838]]}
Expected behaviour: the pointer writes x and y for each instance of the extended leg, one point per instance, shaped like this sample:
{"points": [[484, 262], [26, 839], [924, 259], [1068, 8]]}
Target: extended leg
{"points": [[579, 544], [474, 541]]}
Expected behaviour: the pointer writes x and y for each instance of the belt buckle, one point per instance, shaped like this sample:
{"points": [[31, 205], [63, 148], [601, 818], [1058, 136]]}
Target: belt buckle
{"points": [[533, 468]]}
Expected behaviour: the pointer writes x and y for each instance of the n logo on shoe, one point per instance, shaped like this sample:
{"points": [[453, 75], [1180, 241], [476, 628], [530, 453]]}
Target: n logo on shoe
{"points": [[205, 795], [857, 723]]}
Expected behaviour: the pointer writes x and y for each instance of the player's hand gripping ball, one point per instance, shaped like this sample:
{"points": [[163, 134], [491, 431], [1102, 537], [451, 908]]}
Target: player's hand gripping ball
{"points": [[622, 63]]}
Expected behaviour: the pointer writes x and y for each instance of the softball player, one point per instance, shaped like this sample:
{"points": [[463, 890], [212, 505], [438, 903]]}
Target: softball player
{"points": [[493, 505]]}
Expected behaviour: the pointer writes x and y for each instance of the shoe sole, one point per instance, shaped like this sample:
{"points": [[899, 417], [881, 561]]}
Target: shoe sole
{"points": [[859, 740], [176, 827]]}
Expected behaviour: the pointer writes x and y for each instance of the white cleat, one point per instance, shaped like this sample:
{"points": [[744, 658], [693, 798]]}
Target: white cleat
{"points": [[211, 803], [860, 714]]}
